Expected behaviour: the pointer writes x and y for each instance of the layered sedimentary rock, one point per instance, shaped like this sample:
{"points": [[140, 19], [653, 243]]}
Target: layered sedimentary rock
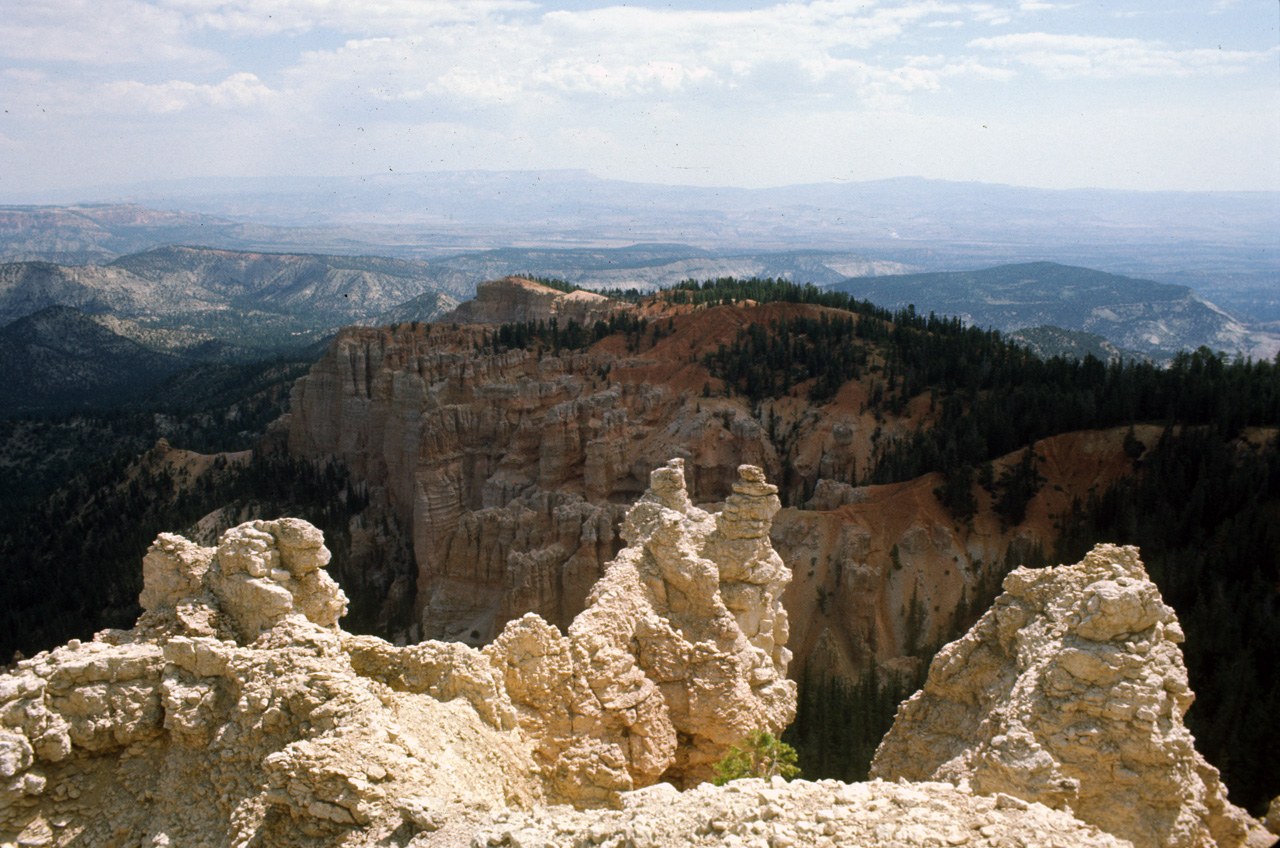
{"points": [[1071, 692], [514, 299], [238, 713], [511, 471]]}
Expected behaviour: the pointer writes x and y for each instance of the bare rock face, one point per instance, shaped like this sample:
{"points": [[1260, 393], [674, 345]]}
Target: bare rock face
{"points": [[260, 573], [514, 299], [826, 813], [679, 654], [510, 471], [1071, 692], [237, 713]]}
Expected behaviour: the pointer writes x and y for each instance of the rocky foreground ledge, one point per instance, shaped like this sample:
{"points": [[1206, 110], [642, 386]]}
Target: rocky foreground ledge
{"points": [[828, 814], [237, 713]]}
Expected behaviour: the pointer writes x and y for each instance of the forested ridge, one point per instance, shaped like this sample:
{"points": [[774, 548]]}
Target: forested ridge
{"points": [[1203, 504]]}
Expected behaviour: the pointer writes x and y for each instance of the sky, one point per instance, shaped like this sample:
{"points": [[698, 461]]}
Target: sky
{"points": [[1140, 94]]}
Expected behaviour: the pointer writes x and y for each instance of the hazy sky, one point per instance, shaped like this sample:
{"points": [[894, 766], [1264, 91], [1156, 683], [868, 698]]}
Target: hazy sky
{"points": [[1149, 94]]}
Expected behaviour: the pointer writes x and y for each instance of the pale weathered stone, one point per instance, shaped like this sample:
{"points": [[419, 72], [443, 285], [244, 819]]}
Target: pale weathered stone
{"points": [[1071, 691], [659, 656], [238, 713], [262, 723], [516, 300], [825, 814]]}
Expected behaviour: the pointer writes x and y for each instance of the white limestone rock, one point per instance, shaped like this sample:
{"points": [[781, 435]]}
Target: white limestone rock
{"points": [[679, 654], [1071, 692], [799, 814], [237, 713]]}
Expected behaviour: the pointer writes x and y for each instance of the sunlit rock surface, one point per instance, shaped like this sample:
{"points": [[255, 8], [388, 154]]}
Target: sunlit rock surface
{"points": [[1071, 692]]}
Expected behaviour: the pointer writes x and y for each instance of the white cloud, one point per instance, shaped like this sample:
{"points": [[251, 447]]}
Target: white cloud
{"points": [[1066, 56], [97, 32], [267, 17], [238, 90], [986, 13], [621, 53], [644, 92], [33, 92]]}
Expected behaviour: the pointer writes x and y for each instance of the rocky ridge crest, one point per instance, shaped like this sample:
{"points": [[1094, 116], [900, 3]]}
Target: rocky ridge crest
{"points": [[510, 471]]}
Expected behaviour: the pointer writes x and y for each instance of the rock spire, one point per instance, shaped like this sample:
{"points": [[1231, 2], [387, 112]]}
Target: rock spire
{"points": [[679, 654], [1070, 691]]}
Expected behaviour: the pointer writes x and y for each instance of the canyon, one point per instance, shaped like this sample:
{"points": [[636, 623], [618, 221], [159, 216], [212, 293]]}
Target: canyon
{"points": [[511, 470], [612, 562]]}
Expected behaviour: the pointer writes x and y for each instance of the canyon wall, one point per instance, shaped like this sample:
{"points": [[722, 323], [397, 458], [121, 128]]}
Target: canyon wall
{"points": [[512, 470]]}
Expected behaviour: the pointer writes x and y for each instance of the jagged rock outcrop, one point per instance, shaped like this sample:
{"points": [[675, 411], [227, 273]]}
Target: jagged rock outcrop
{"points": [[510, 471], [238, 713], [1071, 691], [679, 654], [515, 300]]}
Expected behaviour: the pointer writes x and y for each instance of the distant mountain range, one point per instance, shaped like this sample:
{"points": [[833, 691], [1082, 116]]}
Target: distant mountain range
{"points": [[101, 333], [266, 297], [1155, 319], [1225, 245], [578, 208], [260, 301]]}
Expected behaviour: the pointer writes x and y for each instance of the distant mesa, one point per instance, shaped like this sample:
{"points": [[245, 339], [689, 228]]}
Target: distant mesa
{"points": [[1154, 319], [513, 300]]}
